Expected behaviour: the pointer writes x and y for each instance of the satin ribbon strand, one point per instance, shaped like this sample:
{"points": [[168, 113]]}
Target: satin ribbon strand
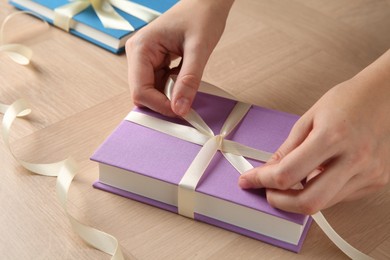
{"points": [[246, 151], [141, 12], [19, 53], [66, 170], [187, 185], [20, 108], [193, 135], [236, 115], [183, 132], [196, 121], [192, 117], [11, 16], [94, 237], [63, 15], [343, 245], [197, 168], [109, 17], [238, 162]]}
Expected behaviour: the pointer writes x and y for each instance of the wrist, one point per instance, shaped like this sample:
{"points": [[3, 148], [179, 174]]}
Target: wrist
{"points": [[216, 6], [376, 76]]}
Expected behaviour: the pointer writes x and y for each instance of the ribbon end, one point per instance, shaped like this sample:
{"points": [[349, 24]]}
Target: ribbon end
{"points": [[19, 53], [20, 59], [125, 26]]}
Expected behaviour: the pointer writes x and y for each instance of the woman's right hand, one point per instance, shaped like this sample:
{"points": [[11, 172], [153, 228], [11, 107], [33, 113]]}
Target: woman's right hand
{"points": [[190, 30]]}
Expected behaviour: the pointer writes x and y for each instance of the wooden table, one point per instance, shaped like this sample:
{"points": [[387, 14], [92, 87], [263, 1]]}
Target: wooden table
{"points": [[279, 54]]}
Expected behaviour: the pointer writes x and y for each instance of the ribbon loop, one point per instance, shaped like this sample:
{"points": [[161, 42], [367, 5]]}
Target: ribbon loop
{"points": [[235, 117], [66, 170], [141, 12], [109, 17], [104, 9], [19, 53]]}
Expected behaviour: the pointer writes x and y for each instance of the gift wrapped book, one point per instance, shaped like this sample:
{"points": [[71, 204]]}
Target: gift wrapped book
{"points": [[106, 23], [148, 158]]}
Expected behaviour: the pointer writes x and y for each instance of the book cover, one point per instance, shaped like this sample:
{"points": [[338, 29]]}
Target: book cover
{"points": [[147, 165], [87, 25]]}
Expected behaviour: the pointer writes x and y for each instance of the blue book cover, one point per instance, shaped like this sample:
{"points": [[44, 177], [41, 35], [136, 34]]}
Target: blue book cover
{"points": [[94, 31]]}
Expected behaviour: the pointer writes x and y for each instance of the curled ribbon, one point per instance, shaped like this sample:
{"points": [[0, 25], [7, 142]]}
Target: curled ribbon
{"points": [[19, 53], [105, 11], [234, 152], [65, 170]]}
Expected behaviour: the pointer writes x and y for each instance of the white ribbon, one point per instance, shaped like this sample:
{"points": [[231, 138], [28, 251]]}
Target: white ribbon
{"points": [[202, 135], [66, 170], [19, 53], [104, 9]]}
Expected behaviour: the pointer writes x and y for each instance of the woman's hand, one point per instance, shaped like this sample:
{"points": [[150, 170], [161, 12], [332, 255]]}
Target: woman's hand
{"points": [[191, 29], [339, 149]]}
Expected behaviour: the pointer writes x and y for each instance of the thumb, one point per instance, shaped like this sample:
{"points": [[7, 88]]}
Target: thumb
{"points": [[188, 80]]}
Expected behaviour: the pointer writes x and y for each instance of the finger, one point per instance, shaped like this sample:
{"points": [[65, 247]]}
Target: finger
{"points": [[298, 133], [142, 81], [292, 168], [188, 80], [316, 195]]}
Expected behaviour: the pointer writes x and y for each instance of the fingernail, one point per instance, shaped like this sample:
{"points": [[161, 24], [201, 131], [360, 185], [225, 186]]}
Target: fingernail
{"points": [[182, 106], [297, 186], [244, 183]]}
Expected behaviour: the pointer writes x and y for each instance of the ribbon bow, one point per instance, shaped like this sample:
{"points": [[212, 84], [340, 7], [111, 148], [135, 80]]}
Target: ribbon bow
{"points": [[105, 11]]}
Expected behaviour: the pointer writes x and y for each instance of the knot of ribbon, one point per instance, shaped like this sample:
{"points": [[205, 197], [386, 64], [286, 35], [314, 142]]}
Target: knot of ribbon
{"points": [[106, 13], [203, 135]]}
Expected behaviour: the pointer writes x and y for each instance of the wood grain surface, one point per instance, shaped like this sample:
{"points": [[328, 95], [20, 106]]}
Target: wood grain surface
{"points": [[279, 54]]}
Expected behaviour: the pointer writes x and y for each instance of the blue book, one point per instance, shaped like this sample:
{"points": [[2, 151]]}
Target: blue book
{"points": [[88, 26]]}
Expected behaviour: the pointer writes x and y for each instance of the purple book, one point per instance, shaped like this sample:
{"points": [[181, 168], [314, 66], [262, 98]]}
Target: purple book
{"points": [[146, 165]]}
